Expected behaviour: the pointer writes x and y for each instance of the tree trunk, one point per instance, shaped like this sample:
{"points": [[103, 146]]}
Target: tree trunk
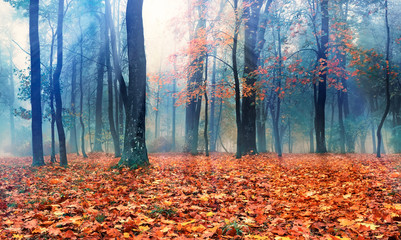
{"points": [[52, 112], [212, 106], [81, 101], [373, 138], [388, 67], [99, 89], [248, 120], [205, 134], [135, 153], [157, 109], [73, 131], [192, 114], [341, 120], [37, 140], [237, 83], [113, 130], [321, 94], [173, 129], [261, 127], [57, 91]]}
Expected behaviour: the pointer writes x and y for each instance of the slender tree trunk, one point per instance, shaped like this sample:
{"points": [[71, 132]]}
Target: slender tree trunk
{"points": [[387, 79], [321, 95], [57, 91], [37, 140], [311, 141], [205, 134], [52, 112], [289, 136], [237, 83], [81, 98], [173, 147], [212, 106], [373, 137], [99, 89], [135, 152], [341, 120], [157, 109], [73, 131], [113, 130], [261, 127]]}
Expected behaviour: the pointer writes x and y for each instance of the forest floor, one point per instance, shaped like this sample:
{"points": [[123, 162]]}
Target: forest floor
{"points": [[301, 196]]}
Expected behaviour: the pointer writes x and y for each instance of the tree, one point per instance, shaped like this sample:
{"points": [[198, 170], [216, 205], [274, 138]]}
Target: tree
{"points": [[321, 89], [387, 80], [248, 115], [113, 126], [37, 140], [194, 83], [56, 86], [99, 87], [135, 152]]}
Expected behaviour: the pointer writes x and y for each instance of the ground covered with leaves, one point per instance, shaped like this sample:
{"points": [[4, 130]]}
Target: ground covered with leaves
{"points": [[301, 196]]}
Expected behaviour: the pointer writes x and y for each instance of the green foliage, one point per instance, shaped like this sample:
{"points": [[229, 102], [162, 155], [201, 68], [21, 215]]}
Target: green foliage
{"points": [[161, 211], [100, 218], [238, 228]]}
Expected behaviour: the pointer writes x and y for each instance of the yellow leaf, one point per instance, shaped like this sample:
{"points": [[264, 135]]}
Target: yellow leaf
{"points": [[18, 236], [144, 228], [370, 225], [343, 238], [280, 238], [257, 237], [345, 222], [126, 235], [186, 223], [166, 229], [347, 196], [209, 214]]}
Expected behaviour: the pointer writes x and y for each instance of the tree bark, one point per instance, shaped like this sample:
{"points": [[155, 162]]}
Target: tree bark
{"points": [[81, 98], [73, 131], [37, 139], [248, 120], [113, 126], [192, 113], [236, 82], [387, 79], [135, 152], [57, 91], [321, 94], [99, 89], [52, 112]]}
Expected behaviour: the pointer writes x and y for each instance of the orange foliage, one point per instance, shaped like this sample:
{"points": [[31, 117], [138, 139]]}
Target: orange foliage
{"points": [[301, 196]]}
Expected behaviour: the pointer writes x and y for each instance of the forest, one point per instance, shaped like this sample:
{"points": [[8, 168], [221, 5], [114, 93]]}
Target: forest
{"points": [[200, 119]]}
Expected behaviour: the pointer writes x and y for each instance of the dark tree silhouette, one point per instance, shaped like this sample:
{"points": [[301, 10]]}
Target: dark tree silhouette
{"points": [[56, 86], [135, 152], [37, 139]]}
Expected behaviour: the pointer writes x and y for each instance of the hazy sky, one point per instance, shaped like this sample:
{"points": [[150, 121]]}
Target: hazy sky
{"points": [[157, 24]]}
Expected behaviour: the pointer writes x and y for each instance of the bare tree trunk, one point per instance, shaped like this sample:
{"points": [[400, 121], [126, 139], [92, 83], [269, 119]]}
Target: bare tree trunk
{"points": [[99, 89], [322, 88], [237, 84], [81, 97], [113, 130], [57, 91], [73, 131], [52, 112], [37, 140], [388, 67], [135, 152]]}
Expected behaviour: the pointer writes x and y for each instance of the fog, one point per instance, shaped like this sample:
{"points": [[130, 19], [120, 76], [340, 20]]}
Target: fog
{"points": [[286, 67]]}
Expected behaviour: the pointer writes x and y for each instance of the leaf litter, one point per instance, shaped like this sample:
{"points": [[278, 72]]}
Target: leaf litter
{"points": [[300, 196]]}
